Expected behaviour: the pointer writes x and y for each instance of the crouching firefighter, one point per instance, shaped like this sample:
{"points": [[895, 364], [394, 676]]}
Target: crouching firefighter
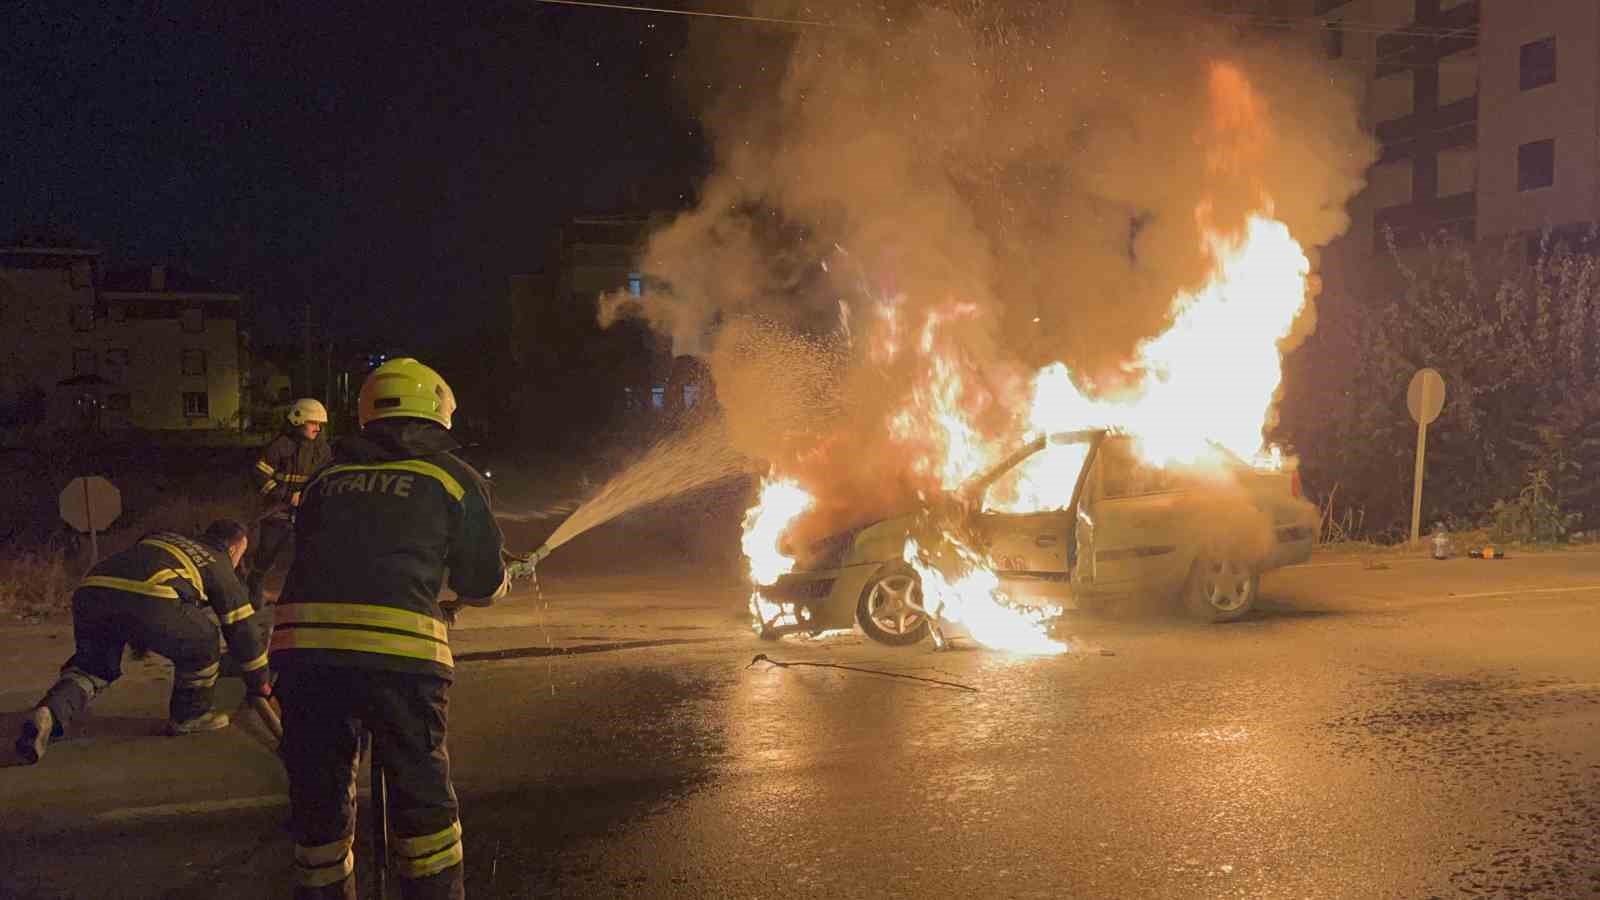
{"points": [[281, 474], [360, 642], [154, 595]]}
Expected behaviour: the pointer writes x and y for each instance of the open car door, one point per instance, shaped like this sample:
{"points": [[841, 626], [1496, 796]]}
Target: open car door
{"points": [[1027, 510]]}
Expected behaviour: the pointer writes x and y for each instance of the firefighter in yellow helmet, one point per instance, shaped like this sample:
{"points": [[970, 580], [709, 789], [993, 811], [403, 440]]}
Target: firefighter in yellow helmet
{"points": [[360, 640], [285, 467]]}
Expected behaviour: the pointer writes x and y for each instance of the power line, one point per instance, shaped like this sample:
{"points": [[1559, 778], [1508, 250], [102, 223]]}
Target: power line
{"points": [[596, 4], [1264, 20]]}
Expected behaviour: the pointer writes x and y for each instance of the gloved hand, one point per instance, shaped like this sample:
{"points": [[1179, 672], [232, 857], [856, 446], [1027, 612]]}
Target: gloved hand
{"points": [[449, 608], [258, 683]]}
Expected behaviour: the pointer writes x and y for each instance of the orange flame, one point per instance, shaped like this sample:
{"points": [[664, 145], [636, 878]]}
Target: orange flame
{"points": [[1206, 383]]}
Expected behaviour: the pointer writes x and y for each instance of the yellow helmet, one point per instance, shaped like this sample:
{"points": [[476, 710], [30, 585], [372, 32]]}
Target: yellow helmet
{"points": [[405, 388]]}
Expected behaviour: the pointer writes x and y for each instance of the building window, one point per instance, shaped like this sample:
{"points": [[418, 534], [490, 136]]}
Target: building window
{"points": [[194, 319], [1333, 39], [196, 404], [1458, 76], [117, 356], [119, 403], [1391, 97], [1389, 184], [83, 317], [1458, 171], [1536, 165], [82, 362], [194, 362], [1538, 63]]}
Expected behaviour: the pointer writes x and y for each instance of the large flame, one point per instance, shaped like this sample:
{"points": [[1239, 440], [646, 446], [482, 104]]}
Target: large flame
{"points": [[1204, 385], [973, 600], [781, 501]]}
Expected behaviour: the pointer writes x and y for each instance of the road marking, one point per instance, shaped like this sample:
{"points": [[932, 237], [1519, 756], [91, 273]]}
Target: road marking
{"points": [[1515, 591]]}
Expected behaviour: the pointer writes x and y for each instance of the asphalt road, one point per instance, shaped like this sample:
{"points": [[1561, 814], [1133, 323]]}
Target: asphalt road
{"points": [[1426, 729]]}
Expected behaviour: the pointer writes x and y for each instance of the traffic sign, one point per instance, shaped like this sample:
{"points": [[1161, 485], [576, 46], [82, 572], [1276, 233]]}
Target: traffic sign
{"points": [[1425, 396], [91, 503], [1424, 400]]}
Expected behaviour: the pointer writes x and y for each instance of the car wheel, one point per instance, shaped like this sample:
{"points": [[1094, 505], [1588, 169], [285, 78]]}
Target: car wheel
{"points": [[890, 608], [1220, 589]]}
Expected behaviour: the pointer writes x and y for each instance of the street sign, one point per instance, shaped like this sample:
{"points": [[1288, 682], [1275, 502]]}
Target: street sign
{"points": [[91, 503], [1425, 396], [1425, 400]]}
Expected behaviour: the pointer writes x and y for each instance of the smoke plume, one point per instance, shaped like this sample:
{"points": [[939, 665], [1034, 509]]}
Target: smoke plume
{"points": [[1034, 177]]}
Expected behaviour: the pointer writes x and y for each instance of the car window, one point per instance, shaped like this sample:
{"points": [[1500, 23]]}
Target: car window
{"points": [[1124, 474], [1042, 482]]}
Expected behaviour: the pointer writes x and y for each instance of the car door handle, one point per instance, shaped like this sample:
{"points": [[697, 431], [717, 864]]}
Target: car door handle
{"points": [[1045, 540]]}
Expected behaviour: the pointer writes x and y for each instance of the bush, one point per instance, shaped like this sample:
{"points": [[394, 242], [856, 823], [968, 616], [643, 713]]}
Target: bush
{"points": [[1535, 516], [1514, 335]]}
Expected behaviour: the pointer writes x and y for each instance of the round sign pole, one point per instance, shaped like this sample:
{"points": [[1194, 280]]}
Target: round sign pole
{"points": [[1416, 490], [88, 514], [1425, 400]]}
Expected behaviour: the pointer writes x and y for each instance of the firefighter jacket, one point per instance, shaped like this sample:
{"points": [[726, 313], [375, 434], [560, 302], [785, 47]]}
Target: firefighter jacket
{"points": [[374, 535], [286, 466], [189, 570]]}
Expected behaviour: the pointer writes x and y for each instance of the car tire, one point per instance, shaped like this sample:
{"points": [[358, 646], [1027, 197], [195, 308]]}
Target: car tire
{"points": [[879, 610], [1220, 589]]}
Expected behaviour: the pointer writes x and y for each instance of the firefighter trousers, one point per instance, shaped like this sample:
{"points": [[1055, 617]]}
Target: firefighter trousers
{"points": [[273, 537], [106, 621], [325, 711]]}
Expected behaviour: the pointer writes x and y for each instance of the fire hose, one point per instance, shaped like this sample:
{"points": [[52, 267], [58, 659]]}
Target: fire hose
{"points": [[518, 567]]}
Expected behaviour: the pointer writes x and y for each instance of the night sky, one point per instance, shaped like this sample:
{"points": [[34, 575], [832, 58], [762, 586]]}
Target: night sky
{"points": [[388, 163]]}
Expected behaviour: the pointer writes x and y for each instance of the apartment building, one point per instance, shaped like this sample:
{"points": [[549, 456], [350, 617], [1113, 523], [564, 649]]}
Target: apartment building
{"points": [[1488, 112], [144, 348]]}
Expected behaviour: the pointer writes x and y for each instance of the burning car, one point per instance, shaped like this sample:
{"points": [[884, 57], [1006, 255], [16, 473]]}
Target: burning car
{"points": [[1201, 534]]}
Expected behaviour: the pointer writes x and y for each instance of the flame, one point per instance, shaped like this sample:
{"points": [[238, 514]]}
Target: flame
{"points": [[937, 422], [1203, 386], [1210, 379], [780, 502], [973, 600]]}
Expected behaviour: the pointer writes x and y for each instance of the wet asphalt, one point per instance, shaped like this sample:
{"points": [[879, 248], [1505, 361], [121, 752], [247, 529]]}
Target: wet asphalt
{"points": [[1420, 730]]}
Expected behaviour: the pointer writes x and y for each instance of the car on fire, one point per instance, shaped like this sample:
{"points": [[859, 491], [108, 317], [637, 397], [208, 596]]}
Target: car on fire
{"points": [[1129, 529]]}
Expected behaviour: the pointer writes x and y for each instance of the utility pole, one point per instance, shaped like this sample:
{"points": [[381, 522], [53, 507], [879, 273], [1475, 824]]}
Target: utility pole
{"points": [[305, 352], [327, 384]]}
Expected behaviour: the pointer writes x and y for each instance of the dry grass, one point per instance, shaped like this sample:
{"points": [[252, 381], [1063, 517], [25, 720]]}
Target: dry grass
{"points": [[35, 584]]}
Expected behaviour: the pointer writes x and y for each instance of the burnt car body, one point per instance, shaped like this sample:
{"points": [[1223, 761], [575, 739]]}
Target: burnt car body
{"points": [[1130, 529]]}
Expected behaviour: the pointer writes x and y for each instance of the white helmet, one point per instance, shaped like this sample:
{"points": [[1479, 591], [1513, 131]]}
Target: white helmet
{"points": [[307, 410]]}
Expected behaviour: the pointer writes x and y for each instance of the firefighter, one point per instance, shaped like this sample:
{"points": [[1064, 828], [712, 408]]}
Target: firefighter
{"points": [[360, 640], [286, 465], [154, 595]]}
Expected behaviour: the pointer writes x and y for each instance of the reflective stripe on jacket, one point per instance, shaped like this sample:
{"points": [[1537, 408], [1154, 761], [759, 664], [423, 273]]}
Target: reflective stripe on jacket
{"points": [[375, 533], [287, 464], [185, 570]]}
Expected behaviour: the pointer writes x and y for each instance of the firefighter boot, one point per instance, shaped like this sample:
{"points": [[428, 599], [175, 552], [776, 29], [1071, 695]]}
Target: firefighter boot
{"points": [[215, 720], [35, 735]]}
